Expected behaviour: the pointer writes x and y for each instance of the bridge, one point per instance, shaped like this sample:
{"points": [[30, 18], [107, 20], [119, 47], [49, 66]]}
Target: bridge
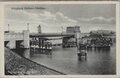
{"points": [[52, 35], [43, 42], [15, 40]]}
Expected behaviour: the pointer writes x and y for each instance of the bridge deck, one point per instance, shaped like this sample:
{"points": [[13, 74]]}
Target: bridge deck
{"points": [[51, 34]]}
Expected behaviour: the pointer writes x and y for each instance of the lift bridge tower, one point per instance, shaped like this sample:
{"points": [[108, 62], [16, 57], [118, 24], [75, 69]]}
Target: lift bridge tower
{"points": [[39, 29]]}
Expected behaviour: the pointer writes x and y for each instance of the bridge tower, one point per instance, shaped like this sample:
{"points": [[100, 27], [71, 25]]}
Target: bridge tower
{"points": [[39, 29], [72, 30]]}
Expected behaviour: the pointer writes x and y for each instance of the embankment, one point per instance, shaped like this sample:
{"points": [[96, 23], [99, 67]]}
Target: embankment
{"points": [[17, 65]]}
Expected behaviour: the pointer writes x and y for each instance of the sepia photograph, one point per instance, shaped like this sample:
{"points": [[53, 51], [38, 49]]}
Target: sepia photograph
{"points": [[60, 39]]}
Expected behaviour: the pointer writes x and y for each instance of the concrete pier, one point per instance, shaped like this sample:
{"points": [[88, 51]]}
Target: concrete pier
{"points": [[11, 38]]}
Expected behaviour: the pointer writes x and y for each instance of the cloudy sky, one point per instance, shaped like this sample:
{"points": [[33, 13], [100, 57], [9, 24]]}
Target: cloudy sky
{"points": [[55, 16]]}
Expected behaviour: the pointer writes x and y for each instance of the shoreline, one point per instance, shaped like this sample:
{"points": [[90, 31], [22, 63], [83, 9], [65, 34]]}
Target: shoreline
{"points": [[18, 65]]}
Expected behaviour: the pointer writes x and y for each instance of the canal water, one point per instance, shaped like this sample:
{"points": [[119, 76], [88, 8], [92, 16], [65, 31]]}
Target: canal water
{"points": [[99, 61]]}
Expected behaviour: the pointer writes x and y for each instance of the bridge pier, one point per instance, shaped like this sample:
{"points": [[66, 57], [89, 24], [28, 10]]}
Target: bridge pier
{"points": [[12, 44], [26, 40], [39, 45], [64, 42]]}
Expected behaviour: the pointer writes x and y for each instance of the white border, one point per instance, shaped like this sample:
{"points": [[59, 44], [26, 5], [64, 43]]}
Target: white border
{"points": [[2, 4]]}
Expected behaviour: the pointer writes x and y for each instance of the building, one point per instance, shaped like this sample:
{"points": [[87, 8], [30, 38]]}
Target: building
{"points": [[75, 29], [103, 32]]}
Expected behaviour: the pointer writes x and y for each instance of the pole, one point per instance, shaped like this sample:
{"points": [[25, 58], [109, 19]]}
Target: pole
{"points": [[62, 28], [28, 26], [8, 27]]}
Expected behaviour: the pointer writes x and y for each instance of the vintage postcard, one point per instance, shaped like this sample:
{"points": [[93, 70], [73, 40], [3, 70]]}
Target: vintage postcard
{"points": [[61, 39]]}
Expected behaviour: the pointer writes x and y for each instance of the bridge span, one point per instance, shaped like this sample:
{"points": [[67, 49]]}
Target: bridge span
{"points": [[54, 38], [52, 34], [14, 40]]}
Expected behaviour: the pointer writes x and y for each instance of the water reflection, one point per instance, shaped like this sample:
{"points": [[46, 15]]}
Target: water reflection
{"points": [[99, 60], [26, 53]]}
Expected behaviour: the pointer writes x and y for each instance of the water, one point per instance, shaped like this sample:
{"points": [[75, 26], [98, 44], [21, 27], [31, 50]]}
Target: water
{"points": [[65, 60]]}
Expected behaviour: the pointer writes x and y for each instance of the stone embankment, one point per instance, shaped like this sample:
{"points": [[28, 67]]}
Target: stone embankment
{"points": [[18, 65]]}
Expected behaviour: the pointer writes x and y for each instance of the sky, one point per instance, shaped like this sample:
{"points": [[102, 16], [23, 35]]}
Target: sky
{"points": [[54, 17]]}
